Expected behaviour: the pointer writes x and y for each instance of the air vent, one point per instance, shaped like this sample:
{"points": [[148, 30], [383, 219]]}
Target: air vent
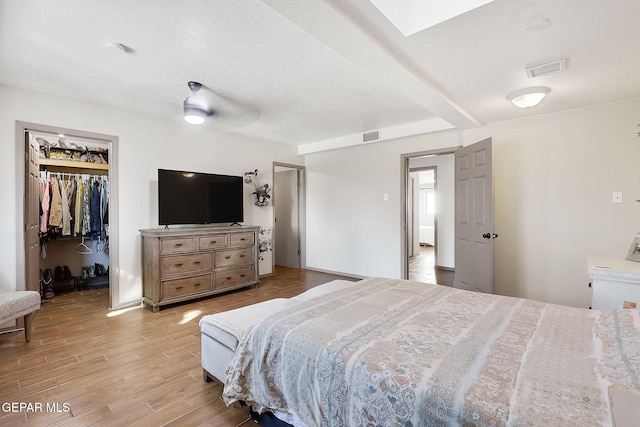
{"points": [[546, 69], [374, 135]]}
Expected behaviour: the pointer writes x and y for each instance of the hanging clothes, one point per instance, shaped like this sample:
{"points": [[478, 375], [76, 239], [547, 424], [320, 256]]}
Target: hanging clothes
{"points": [[104, 205], [95, 213], [77, 231], [73, 206], [66, 217], [86, 207], [45, 200], [55, 210], [70, 185]]}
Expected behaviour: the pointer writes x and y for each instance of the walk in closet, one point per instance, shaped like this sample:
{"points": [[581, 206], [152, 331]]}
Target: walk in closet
{"points": [[73, 212]]}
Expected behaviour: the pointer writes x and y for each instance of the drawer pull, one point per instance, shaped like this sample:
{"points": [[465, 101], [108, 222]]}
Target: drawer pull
{"points": [[177, 245], [196, 262], [213, 242], [242, 239], [228, 277], [178, 288], [195, 285], [179, 265], [243, 275], [227, 257], [241, 255]]}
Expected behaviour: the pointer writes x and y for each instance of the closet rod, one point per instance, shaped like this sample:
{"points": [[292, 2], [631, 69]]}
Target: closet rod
{"points": [[71, 175]]}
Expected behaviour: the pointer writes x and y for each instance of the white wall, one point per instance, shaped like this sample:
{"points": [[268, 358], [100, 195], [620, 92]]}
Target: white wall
{"points": [[146, 143], [350, 228], [554, 175], [553, 178]]}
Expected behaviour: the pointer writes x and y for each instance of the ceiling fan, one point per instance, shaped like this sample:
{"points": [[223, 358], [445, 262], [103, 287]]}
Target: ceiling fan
{"points": [[230, 112], [195, 106]]}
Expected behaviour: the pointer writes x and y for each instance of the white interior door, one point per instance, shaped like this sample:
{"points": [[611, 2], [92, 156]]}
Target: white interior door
{"points": [[32, 215], [474, 231]]}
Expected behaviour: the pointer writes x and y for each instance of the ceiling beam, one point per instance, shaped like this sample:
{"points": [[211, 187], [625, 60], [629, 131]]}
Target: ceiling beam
{"points": [[353, 38]]}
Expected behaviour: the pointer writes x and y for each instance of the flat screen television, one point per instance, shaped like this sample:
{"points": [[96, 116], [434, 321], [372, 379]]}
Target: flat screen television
{"points": [[199, 198]]}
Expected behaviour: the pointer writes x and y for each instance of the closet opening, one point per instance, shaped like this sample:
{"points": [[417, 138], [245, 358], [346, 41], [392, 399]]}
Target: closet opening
{"points": [[67, 211]]}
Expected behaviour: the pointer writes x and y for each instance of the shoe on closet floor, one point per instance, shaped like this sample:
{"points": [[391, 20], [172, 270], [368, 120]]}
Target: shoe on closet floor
{"points": [[46, 284], [58, 277], [100, 270], [88, 271]]}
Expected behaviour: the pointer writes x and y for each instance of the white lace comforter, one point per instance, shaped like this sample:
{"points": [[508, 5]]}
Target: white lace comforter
{"points": [[394, 352]]}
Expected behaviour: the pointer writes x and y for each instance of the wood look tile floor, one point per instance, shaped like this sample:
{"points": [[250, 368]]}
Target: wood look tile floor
{"points": [[422, 268], [88, 365]]}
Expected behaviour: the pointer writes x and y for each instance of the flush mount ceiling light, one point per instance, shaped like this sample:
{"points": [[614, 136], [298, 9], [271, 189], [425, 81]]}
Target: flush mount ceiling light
{"points": [[529, 97], [195, 108]]}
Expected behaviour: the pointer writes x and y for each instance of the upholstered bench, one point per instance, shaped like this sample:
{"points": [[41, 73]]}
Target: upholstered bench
{"points": [[16, 304]]}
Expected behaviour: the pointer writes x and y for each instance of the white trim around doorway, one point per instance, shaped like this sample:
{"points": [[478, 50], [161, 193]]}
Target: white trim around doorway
{"points": [[112, 140]]}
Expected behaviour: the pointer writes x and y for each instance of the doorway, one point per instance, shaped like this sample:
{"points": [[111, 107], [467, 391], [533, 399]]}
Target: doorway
{"points": [[289, 215], [423, 252], [31, 262], [471, 239], [428, 213]]}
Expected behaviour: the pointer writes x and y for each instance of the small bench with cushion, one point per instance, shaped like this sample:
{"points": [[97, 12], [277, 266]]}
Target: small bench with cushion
{"points": [[16, 304]]}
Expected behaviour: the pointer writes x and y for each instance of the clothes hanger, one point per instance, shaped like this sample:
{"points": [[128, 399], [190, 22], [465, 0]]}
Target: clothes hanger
{"points": [[85, 250]]}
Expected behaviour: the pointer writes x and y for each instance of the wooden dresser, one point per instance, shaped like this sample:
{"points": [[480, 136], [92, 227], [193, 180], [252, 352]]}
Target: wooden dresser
{"points": [[187, 263]]}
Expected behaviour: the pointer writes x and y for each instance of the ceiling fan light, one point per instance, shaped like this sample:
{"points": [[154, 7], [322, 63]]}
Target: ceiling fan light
{"points": [[193, 119], [195, 108], [529, 97], [195, 115]]}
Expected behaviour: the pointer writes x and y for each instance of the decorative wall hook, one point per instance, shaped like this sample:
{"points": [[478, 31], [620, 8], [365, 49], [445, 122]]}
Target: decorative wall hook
{"points": [[261, 191], [249, 176]]}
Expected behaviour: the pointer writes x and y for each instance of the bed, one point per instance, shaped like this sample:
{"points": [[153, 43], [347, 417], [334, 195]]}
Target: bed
{"points": [[396, 352]]}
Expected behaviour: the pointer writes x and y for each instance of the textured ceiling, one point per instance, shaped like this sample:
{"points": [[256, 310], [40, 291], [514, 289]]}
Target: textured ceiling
{"points": [[306, 71]]}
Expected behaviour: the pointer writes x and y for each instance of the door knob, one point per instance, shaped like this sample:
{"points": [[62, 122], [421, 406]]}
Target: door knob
{"points": [[486, 235], [494, 236]]}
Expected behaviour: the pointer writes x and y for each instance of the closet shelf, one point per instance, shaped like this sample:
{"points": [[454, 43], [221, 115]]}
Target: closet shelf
{"points": [[73, 164]]}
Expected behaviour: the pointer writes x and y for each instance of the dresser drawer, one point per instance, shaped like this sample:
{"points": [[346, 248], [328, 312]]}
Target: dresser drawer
{"points": [[212, 242], [233, 257], [234, 276], [177, 245], [190, 285], [177, 264], [241, 239]]}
